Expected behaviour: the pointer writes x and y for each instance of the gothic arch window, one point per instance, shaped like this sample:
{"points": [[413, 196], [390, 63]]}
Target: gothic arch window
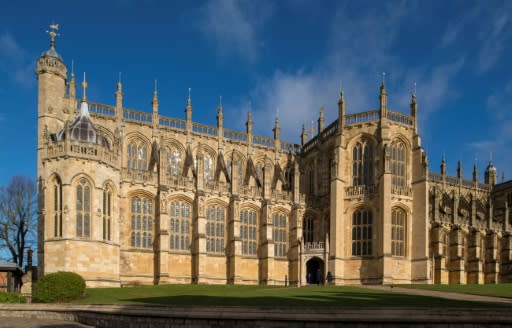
{"points": [[107, 213], [57, 207], [137, 156], [174, 165], [311, 181], [208, 168], [308, 229], [279, 234], [142, 222], [179, 229], [398, 224], [362, 232], [398, 163], [239, 168], [362, 164], [259, 171], [248, 231], [288, 177], [83, 209], [215, 225]]}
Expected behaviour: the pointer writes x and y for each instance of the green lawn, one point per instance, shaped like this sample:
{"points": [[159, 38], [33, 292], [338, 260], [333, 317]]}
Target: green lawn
{"points": [[498, 290], [228, 295]]}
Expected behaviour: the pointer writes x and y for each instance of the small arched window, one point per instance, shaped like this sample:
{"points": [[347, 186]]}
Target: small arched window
{"points": [[215, 223], [83, 209], [308, 229], [279, 234], [107, 213], [57, 208], [142, 222], [137, 156], [362, 164], [248, 231], [398, 224], [179, 229], [362, 232], [398, 163], [174, 166]]}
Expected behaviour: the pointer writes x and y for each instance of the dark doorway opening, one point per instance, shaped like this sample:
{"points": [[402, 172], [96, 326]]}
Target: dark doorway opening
{"points": [[315, 271]]}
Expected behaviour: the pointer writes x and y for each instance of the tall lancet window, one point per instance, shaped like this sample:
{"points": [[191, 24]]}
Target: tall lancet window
{"points": [[215, 223], [179, 229], [398, 232], [137, 156], [57, 207], [208, 168], [398, 163], [279, 234], [107, 213], [308, 232], [83, 209], [173, 161], [362, 164], [362, 232], [248, 231]]}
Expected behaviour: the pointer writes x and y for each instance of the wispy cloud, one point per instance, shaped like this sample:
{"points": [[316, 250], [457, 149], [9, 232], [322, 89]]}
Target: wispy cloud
{"points": [[359, 51], [495, 38], [14, 62], [233, 26], [498, 106]]}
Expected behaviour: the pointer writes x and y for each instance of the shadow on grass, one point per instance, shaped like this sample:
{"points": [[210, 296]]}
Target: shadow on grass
{"points": [[324, 299]]}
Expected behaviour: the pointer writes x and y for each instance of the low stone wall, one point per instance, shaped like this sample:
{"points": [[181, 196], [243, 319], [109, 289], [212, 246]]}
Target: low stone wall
{"points": [[134, 316]]}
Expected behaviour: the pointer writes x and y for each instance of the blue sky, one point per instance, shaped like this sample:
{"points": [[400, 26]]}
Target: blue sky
{"points": [[263, 55]]}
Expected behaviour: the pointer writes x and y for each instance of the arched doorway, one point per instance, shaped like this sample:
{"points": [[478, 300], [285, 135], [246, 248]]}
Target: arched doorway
{"points": [[315, 271]]}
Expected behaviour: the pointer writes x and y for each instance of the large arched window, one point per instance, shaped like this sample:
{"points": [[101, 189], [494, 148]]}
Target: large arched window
{"points": [[142, 222], [398, 163], [83, 209], [137, 156], [248, 231], [215, 223], [308, 229], [362, 164], [107, 213], [174, 166], [398, 220], [279, 234], [57, 207], [362, 232], [179, 229]]}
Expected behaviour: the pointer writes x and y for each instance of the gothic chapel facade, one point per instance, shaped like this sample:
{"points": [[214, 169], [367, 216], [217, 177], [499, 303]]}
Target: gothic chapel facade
{"points": [[129, 197]]}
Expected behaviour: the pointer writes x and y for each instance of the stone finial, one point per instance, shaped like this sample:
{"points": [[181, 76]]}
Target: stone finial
{"points": [[84, 89], [321, 119], [459, 170], [443, 166], [304, 135]]}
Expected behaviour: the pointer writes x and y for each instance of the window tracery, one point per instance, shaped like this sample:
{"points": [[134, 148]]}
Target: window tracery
{"points": [[215, 223], [137, 156], [179, 229], [362, 232], [142, 222], [83, 209], [398, 163], [248, 231], [279, 234], [362, 164], [398, 220]]}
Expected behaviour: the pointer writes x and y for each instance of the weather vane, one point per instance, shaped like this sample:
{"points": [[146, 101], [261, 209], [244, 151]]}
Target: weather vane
{"points": [[53, 33]]}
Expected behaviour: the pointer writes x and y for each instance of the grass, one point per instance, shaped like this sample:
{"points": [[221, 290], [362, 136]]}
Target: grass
{"points": [[497, 290], [267, 296]]}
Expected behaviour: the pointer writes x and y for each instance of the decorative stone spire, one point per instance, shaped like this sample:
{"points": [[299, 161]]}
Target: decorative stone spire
{"points": [[459, 170], [188, 108], [304, 135], [475, 173], [72, 82], [249, 122], [321, 120], [414, 107], [154, 102], [443, 166], [383, 97], [220, 115], [119, 99], [277, 129], [341, 110], [84, 89]]}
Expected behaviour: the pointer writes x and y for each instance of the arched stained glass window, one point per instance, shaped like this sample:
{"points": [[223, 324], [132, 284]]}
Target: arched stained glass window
{"points": [[279, 234], [398, 220], [137, 156], [398, 163], [179, 229], [362, 164], [107, 213], [215, 223], [248, 231], [174, 166], [83, 209], [362, 232], [57, 208], [142, 222]]}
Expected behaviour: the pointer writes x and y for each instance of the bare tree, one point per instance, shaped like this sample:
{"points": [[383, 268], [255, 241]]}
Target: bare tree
{"points": [[18, 206]]}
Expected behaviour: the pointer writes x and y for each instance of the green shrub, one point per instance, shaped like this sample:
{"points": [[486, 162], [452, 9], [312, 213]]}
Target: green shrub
{"points": [[9, 297], [58, 287]]}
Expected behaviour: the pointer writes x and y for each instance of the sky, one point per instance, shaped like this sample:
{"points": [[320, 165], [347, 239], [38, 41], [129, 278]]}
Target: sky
{"points": [[275, 58]]}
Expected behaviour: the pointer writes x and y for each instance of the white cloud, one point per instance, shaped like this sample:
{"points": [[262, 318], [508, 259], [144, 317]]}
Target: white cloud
{"points": [[494, 38], [233, 26], [359, 51], [14, 62]]}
